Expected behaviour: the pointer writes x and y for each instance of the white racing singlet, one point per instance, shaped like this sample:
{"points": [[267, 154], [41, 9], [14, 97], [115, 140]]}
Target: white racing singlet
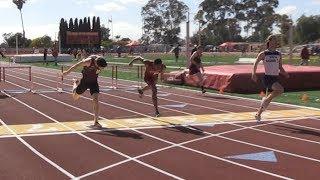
{"points": [[271, 62]]}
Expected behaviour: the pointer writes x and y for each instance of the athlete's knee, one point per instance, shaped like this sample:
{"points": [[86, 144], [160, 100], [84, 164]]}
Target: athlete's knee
{"points": [[154, 91], [75, 96], [95, 96], [279, 90]]}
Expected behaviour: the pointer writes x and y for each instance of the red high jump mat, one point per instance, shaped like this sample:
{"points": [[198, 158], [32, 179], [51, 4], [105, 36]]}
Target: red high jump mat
{"points": [[237, 78]]}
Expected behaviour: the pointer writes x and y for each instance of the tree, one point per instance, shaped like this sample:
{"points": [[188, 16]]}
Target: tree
{"points": [[259, 17], [106, 43], [308, 28], [71, 26], [94, 28], [81, 29], [162, 19], [76, 25], [284, 23], [44, 41], [98, 28], [10, 40], [117, 37], [222, 19], [63, 32], [89, 24], [219, 20], [19, 4], [126, 39], [85, 24], [105, 33]]}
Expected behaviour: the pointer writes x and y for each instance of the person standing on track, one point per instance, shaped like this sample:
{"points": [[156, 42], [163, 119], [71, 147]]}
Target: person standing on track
{"points": [[195, 66], [150, 77], [272, 61], [176, 52], [2, 50], [45, 54], [305, 56], [91, 69]]}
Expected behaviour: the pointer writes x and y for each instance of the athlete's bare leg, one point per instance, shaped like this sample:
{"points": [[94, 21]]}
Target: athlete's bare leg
{"points": [[95, 102], [277, 91], [141, 91], [200, 81], [74, 87], [155, 100]]}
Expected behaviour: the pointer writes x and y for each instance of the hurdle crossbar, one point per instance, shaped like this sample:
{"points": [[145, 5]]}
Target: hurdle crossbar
{"points": [[114, 74], [17, 67]]}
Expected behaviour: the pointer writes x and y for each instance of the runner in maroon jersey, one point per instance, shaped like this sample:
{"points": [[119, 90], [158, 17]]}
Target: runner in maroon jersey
{"points": [[150, 77], [91, 69]]}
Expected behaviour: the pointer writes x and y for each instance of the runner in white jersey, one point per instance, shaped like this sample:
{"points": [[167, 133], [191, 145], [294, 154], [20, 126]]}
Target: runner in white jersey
{"points": [[272, 61]]}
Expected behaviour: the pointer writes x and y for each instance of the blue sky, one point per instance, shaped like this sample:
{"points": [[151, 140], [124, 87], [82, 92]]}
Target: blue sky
{"points": [[42, 16]]}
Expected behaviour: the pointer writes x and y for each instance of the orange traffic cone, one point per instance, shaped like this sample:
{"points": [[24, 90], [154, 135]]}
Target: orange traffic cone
{"points": [[262, 94], [221, 91], [305, 97]]}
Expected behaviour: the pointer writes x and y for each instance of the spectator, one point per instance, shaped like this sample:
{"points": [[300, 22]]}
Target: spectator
{"points": [[2, 50], [176, 52], [119, 51], [78, 54], [45, 53], [195, 48], [55, 55], [305, 56], [84, 54], [131, 50], [74, 52]]}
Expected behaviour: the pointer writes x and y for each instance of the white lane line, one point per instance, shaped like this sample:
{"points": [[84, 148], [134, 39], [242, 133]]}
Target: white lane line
{"points": [[260, 130], [276, 175], [36, 151], [297, 125], [184, 89], [97, 142]]}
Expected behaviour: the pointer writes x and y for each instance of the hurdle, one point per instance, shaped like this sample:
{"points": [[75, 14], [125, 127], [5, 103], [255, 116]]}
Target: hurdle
{"points": [[60, 83], [46, 90], [114, 75], [115, 69], [17, 91]]}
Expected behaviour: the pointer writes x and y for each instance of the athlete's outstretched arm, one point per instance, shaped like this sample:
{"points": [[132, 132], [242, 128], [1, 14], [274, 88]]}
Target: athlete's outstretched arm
{"points": [[81, 63], [193, 56], [282, 71], [162, 72], [260, 57]]}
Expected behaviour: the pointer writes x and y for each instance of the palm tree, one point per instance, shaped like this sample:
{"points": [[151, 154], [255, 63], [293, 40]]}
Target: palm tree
{"points": [[19, 4]]}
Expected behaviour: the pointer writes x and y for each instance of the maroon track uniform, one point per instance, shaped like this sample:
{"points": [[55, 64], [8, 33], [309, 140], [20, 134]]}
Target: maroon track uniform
{"points": [[150, 75], [194, 68], [89, 79]]}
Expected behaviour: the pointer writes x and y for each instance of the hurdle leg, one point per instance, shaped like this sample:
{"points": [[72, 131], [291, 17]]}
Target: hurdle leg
{"points": [[141, 75], [112, 76], [61, 82], [116, 77], [4, 74], [30, 79]]}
